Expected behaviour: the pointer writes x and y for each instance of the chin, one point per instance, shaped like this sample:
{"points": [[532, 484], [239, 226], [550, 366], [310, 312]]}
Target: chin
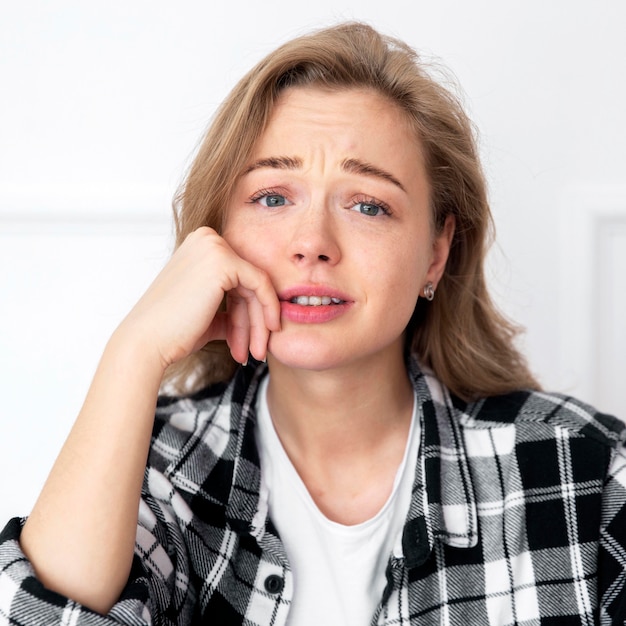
{"points": [[304, 354]]}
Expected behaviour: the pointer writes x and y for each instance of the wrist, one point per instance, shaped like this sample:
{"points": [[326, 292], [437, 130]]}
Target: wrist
{"points": [[130, 350]]}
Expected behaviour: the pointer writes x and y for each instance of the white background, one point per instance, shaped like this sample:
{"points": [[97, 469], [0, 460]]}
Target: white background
{"points": [[101, 106]]}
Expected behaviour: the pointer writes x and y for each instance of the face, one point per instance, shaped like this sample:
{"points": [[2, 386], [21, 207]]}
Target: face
{"points": [[334, 206]]}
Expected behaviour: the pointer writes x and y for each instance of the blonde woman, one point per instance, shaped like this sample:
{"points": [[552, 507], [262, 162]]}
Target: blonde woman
{"points": [[350, 435]]}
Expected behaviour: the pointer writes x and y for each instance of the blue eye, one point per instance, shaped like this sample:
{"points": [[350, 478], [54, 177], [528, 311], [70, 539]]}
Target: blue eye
{"points": [[369, 208], [272, 200]]}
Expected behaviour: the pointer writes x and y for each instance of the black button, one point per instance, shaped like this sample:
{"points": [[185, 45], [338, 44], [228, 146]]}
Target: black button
{"points": [[274, 584]]}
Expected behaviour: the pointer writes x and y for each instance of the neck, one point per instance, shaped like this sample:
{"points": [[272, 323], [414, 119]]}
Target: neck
{"points": [[346, 409], [345, 432]]}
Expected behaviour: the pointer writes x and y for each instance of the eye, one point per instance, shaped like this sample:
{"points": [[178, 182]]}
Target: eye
{"points": [[371, 208], [268, 198], [367, 208], [272, 200]]}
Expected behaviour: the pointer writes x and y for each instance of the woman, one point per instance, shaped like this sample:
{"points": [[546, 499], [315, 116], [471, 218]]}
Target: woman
{"points": [[393, 461]]}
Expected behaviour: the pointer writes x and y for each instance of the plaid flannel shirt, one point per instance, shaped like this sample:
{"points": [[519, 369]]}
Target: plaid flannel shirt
{"points": [[518, 516]]}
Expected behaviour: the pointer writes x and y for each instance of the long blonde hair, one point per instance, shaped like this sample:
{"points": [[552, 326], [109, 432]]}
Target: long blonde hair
{"points": [[460, 335]]}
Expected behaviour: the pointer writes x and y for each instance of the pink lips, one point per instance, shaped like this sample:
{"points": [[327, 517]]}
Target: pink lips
{"points": [[313, 314]]}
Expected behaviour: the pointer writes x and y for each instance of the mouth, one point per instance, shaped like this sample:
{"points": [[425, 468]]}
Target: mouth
{"points": [[313, 304], [316, 300]]}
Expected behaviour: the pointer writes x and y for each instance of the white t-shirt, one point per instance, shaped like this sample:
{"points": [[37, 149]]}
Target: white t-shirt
{"points": [[338, 570]]}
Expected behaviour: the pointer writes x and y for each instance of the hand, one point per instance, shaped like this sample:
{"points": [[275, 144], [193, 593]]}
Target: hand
{"points": [[180, 311]]}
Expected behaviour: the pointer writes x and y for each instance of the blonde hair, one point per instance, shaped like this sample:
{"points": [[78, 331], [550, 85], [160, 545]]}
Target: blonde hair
{"points": [[460, 335]]}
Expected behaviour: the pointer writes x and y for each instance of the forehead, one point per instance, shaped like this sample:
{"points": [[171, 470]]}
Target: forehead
{"points": [[354, 122], [341, 108]]}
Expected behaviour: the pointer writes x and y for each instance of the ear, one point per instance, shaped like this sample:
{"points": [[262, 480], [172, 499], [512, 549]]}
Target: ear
{"points": [[441, 249]]}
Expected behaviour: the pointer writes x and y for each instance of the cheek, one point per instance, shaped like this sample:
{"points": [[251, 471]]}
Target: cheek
{"points": [[234, 239], [249, 244], [236, 232], [403, 281]]}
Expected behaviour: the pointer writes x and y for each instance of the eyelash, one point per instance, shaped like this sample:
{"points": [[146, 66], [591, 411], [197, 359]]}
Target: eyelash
{"points": [[263, 193]]}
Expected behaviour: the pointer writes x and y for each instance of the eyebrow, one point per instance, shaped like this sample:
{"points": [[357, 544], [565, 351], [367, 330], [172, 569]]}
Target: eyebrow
{"points": [[278, 163], [354, 166]]}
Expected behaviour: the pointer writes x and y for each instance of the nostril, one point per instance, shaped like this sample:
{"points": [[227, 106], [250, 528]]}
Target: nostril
{"points": [[323, 257]]}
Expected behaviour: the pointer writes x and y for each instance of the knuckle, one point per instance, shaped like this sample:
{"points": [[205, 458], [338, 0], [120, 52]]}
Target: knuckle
{"points": [[200, 234], [205, 231]]}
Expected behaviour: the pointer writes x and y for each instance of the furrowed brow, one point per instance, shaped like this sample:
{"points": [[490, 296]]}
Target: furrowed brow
{"points": [[279, 163], [355, 166]]}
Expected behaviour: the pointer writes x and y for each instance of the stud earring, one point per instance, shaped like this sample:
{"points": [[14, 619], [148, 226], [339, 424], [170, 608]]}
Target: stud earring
{"points": [[429, 291]]}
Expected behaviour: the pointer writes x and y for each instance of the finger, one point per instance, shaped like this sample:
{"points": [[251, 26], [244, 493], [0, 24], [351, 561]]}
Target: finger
{"points": [[259, 332], [271, 314], [217, 330], [254, 284], [259, 318], [238, 328]]}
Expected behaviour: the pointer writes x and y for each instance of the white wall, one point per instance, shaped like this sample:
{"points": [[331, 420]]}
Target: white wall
{"points": [[102, 103]]}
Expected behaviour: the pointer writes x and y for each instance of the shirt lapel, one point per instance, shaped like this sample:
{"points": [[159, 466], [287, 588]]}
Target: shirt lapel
{"points": [[443, 506]]}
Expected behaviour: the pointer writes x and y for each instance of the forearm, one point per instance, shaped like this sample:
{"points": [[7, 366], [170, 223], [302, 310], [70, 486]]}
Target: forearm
{"points": [[80, 535]]}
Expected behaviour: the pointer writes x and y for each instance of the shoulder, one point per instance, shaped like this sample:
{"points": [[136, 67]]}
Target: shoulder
{"points": [[539, 410], [523, 410]]}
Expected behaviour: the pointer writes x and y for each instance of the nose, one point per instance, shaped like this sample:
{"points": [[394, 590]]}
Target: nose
{"points": [[315, 237]]}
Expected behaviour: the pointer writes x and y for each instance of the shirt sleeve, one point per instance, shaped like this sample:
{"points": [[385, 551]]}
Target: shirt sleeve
{"points": [[612, 552], [157, 592], [24, 601]]}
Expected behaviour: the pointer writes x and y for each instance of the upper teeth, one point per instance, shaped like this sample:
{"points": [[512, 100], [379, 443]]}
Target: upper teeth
{"points": [[315, 300]]}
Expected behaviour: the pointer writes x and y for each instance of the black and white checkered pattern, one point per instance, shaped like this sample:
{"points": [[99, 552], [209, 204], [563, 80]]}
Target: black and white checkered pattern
{"points": [[518, 516]]}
